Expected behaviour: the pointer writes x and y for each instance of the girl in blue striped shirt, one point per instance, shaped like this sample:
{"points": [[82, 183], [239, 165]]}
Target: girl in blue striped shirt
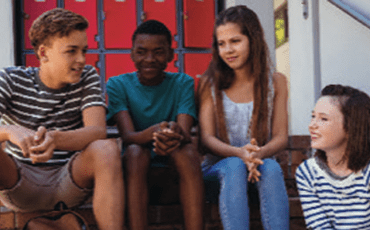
{"points": [[334, 185]]}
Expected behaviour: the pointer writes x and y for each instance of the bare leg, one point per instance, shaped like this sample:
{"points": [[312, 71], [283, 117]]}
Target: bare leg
{"points": [[136, 162], [187, 164], [99, 166], [8, 171]]}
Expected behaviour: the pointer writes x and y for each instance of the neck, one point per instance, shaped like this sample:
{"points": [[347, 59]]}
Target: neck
{"points": [[336, 163], [243, 74], [151, 82], [47, 81]]}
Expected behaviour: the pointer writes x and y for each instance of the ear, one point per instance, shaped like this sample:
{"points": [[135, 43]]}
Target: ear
{"points": [[170, 55], [42, 53]]}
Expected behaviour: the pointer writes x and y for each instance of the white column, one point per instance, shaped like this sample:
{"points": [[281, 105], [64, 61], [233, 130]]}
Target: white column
{"points": [[7, 35]]}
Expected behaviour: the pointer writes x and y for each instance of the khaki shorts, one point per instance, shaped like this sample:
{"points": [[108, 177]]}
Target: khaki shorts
{"points": [[42, 187]]}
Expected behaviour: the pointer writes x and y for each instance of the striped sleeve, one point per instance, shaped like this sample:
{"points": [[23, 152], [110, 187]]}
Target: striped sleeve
{"points": [[92, 93], [5, 91], [314, 213]]}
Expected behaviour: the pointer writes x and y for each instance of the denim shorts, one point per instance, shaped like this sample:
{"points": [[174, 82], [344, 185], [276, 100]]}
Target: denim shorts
{"points": [[42, 187]]}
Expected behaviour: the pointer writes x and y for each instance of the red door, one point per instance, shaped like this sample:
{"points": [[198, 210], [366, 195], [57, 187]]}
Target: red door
{"points": [[88, 9], [163, 11], [92, 59], [33, 9], [195, 64], [31, 60], [199, 17], [119, 23]]}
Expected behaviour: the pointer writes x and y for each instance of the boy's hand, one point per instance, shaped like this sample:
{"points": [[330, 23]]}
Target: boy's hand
{"points": [[167, 139], [165, 142], [22, 137], [44, 148]]}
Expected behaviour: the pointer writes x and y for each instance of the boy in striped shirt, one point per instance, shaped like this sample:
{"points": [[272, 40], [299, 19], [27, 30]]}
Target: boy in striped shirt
{"points": [[53, 126]]}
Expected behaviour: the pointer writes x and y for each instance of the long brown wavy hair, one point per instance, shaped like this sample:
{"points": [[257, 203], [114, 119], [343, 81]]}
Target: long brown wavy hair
{"points": [[220, 76], [355, 107]]}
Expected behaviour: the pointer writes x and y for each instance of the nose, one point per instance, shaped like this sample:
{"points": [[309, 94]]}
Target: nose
{"points": [[228, 48], [81, 58], [313, 124], [149, 57]]}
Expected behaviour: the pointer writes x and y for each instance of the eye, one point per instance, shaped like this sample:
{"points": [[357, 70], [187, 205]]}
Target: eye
{"points": [[235, 40], [71, 51], [220, 44], [84, 51]]}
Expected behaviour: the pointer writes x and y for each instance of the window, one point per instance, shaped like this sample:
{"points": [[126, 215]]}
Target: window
{"points": [[281, 25]]}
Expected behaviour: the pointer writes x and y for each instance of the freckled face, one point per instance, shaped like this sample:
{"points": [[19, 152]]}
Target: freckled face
{"points": [[63, 60], [233, 46], [327, 126]]}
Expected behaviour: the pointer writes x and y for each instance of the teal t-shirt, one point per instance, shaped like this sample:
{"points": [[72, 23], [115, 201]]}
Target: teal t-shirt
{"points": [[149, 105]]}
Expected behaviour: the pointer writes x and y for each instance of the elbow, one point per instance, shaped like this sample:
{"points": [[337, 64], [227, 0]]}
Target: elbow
{"points": [[285, 141]]}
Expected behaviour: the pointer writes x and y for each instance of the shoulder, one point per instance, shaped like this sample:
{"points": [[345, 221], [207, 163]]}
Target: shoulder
{"points": [[307, 168], [179, 78], [280, 82], [122, 79], [19, 71], [19, 74]]}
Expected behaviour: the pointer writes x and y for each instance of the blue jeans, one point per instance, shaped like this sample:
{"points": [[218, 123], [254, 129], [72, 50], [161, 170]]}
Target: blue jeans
{"points": [[228, 179]]}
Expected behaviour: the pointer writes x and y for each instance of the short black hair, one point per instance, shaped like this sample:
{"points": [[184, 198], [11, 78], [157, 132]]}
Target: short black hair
{"points": [[153, 27]]}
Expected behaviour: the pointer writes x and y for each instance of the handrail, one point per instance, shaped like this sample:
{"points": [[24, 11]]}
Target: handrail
{"points": [[352, 12]]}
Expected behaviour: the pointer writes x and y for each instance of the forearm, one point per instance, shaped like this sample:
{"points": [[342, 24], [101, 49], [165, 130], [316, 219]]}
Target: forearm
{"points": [[139, 138], [274, 146], [220, 148], [4, 132], [78, 139]]}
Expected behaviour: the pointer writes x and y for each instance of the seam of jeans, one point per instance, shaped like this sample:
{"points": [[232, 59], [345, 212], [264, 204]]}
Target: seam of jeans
{"points": [[223, 206], [264, 216]]}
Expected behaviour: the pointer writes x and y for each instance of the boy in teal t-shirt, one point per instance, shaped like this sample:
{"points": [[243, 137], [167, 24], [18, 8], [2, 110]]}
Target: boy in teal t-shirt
{"points": [[154, 112]]}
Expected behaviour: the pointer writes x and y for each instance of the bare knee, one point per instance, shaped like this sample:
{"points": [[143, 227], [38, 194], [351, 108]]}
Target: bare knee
{"points": [[187, 159], [136, 159], [105, 154]]}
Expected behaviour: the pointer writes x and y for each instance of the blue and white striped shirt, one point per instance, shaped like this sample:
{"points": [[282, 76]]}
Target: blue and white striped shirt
{"points": [[332, 203]]}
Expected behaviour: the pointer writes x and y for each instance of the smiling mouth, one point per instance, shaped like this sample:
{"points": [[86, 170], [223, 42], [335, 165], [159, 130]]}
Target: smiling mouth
{"points": [[77, 69], [230, 59]]}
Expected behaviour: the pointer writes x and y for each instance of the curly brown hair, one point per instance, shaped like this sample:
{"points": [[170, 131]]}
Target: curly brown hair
{"points": [[355, 107], [56, 22], [220, 75]]}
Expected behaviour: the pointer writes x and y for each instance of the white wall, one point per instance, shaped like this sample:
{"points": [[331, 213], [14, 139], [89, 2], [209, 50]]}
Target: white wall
{"points": [[345, 48], [343, 53], [6, 38], [301, 67]]}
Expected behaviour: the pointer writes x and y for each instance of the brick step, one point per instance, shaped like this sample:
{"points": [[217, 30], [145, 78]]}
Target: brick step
{"points": [[160, 217], [169, 217]]}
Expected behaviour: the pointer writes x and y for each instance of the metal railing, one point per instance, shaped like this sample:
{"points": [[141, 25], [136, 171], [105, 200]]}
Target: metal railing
{"points": [[358, 16]]}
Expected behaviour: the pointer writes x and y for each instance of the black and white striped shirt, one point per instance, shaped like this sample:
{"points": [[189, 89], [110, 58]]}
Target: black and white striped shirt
{"points": [[27, 102]]}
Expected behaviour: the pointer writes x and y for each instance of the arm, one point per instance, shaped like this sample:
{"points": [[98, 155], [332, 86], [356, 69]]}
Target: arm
{"points": [[313, 211], [72, 140], [94, 128], [127, 130], [279, 123]]}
